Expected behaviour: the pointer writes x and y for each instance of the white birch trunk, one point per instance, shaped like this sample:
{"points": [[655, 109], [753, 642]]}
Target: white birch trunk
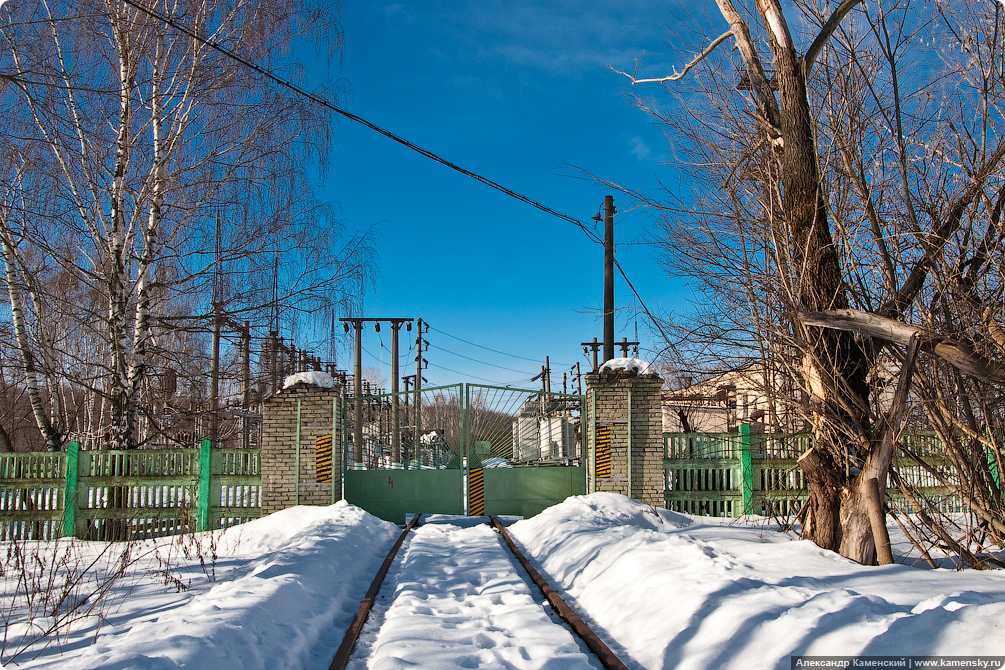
{"points": [[52, 437]]}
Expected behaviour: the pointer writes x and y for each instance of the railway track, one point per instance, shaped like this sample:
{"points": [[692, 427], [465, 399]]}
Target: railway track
{"points": [[458, 599]]}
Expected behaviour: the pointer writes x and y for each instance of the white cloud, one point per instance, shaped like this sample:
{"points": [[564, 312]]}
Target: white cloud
{"points": [[389, 11], [640, 149]]}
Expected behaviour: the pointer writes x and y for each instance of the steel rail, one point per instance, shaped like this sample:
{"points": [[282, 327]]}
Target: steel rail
{"points": [[352, 634], [607, 657]]}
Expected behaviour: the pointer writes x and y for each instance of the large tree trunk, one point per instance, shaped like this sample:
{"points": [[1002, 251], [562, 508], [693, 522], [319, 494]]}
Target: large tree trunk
{"points": [[118, 249], [834, 365], [857, 541], [821, 521]]}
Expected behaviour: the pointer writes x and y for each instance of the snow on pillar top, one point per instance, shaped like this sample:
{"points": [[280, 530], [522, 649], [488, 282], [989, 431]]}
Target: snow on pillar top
{"points": [[635, 365], [313, 378]]}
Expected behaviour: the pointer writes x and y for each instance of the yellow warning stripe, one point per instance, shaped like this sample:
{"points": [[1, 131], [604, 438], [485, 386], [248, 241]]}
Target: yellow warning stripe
{"points": [[323, 458], [476, 492], [603, 467]]}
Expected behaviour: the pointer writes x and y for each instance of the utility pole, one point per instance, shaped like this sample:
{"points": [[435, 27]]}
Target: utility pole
{"points": [[418, 388], [595, 346], [624, 344], [357, 431], [273, 360], [407, 380], [246, 383], [214, 384], [357, 392], [608, 277], [579, 380], [547, 374], [395, 423]]}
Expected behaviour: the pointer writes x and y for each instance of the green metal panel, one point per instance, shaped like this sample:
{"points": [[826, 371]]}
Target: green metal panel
{"points": [[390, 494], [744, 473], [527, 491]]}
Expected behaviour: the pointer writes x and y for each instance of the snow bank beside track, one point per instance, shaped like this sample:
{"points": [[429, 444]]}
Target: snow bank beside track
{"points": [[286, 605], [709, 596]]}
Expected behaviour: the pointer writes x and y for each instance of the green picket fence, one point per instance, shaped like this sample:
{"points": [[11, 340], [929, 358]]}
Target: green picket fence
{"points": [[732, 474], [113, 495]]}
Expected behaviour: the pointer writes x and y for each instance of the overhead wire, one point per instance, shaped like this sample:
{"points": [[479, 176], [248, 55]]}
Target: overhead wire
{"points": [[495, 351], [491, 381], [324, 102], [491, 365]]}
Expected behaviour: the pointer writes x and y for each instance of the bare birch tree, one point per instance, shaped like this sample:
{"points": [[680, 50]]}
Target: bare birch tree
{"points": [[142, 139]]}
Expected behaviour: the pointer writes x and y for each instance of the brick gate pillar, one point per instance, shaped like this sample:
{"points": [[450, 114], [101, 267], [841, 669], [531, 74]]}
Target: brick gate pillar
{"points": [[624, 406], [282, 485]]}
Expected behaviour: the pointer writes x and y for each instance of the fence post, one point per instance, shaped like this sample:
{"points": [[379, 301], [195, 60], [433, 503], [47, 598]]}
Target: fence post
{"points": [[70, 490], [205, 467], [333, 449], [629, 449], [746, 470], [591, 446], [296, 464]]}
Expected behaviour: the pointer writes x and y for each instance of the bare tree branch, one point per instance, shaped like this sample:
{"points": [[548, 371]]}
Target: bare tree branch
{"points": [[764, 97], [825, 32], [957, 353], [676, 75]]}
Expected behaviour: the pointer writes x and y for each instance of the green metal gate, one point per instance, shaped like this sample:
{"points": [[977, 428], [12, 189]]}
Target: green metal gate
{"points": [[407, 460], [524, 449], [468, 449]]}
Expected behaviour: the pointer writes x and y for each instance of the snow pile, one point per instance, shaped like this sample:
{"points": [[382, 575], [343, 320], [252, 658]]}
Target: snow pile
{"points": [[635, 365], [709, 596], [287, 587], [322, 379]]}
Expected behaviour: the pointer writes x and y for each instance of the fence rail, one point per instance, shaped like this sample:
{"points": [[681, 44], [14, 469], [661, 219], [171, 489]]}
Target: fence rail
{"points": [[112, 495], [731, 474]]}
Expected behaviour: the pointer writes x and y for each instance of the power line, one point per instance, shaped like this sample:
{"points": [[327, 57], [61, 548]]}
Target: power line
{"points": [[494, 351], [399, 139], [358, 119], [641, 302], [491, 381], [491, 365]]}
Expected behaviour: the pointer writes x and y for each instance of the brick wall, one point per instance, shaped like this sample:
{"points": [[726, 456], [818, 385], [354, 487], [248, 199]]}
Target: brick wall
{"points": [[609, 392], [279, 448]]}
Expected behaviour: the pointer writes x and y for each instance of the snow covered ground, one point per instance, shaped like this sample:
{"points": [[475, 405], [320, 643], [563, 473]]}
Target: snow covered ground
{"points": [[675, 594], [666, 591]]}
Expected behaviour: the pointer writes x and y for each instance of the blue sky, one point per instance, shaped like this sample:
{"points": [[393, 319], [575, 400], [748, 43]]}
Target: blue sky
{"points": [[520, 92]]}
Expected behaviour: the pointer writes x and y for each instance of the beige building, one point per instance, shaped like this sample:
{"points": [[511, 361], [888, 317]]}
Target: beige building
{"points": [[765, 399]]}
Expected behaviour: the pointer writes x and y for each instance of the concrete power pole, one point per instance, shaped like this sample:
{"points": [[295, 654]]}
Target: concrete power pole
{"points": [[357, 393], [608, 278], [395, 420], [357, 386], [214, 383], [246, 383], [416, 448]]}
